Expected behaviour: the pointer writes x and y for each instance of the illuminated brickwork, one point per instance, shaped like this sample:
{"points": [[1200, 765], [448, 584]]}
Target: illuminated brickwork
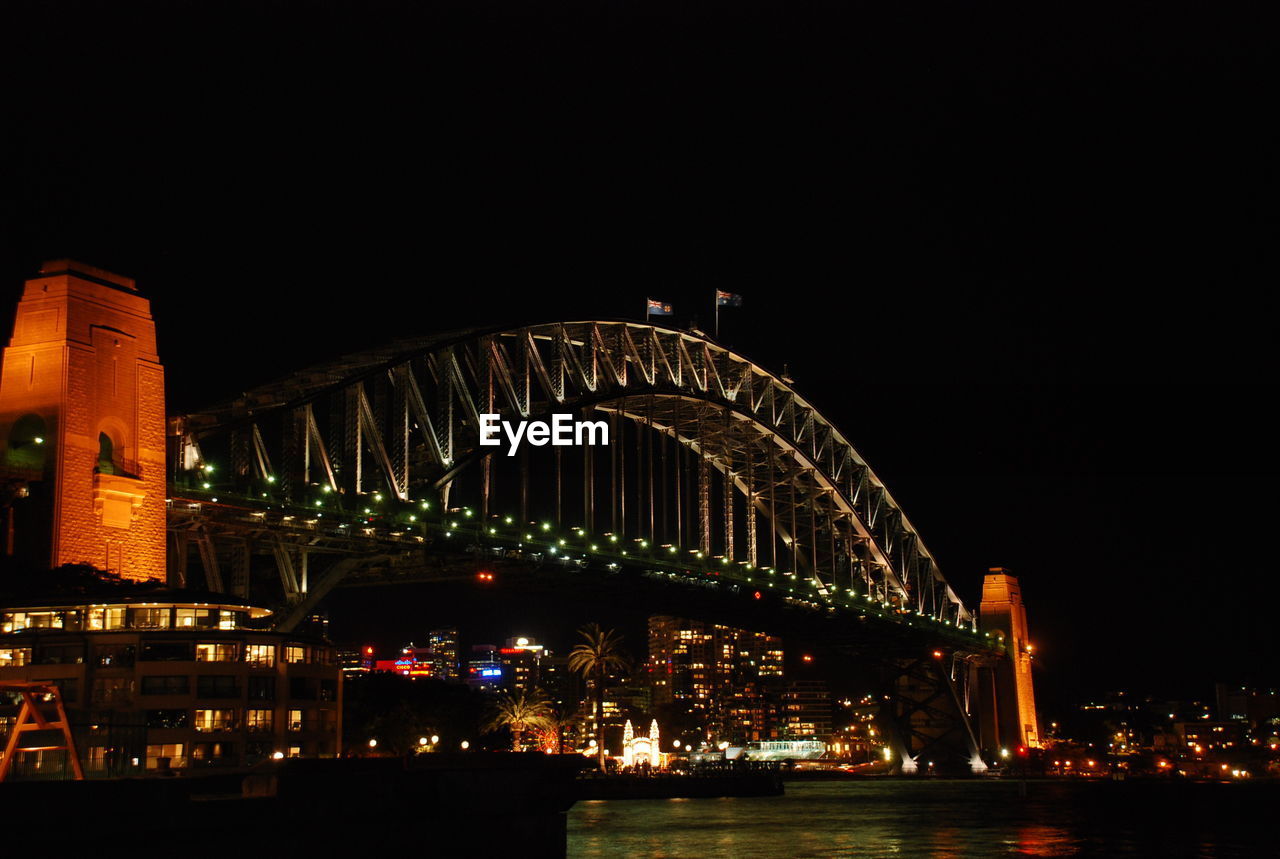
{"points": [[1014, 708], [82, 420]]}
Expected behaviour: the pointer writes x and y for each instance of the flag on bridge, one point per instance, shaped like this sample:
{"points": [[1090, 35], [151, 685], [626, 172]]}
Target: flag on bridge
{"points": [[725, 299], [657, 308]]}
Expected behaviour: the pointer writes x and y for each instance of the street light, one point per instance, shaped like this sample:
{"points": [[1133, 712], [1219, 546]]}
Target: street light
{"points": [[373, 744], [466, 744]]}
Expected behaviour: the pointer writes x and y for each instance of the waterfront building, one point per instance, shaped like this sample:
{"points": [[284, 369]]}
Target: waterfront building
{"points": [[807, 709], [730, 678], [173, 679], [785, 750]]}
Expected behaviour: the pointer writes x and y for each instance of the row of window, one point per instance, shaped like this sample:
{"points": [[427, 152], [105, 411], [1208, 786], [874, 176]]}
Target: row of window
{"points": [[117, 760], [119, 690], [123, 617], [227, 686], [202, 754], [125, 655], [255, 720]]}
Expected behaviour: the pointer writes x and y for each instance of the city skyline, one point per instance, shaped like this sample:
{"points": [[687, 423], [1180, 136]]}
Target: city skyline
{"points": [[1043, 350], [934, 344]]}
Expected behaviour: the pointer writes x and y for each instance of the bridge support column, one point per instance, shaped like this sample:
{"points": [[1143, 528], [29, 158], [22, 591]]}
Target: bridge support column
{"points": [[1007, 695], [924, 719], [82, 424]]}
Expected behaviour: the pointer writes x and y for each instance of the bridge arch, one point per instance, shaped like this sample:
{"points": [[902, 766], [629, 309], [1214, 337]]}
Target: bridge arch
{"points": [[403, 421]]}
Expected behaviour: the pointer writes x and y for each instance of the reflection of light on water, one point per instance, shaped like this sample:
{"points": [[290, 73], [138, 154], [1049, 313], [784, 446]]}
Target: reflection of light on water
{"points": [[909, 818], [1038, 840]]}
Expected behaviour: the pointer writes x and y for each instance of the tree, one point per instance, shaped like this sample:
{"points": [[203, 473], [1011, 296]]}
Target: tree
{"points": [[519, 711], [599, 653]]}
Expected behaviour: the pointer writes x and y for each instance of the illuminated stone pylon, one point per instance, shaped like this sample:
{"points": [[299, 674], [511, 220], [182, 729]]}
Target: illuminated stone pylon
{"points": [[1008, 698], [82, 424]]}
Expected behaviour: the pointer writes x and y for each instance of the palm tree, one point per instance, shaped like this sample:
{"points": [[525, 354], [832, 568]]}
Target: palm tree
{"points": [[594, 657], [519, 711]]}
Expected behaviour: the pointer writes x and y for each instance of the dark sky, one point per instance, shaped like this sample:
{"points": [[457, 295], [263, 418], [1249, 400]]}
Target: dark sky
{"points": [[1023, 256]]}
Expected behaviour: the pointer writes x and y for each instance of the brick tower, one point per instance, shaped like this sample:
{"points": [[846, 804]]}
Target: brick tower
{"points": [[1009, 700], [82, 425]]}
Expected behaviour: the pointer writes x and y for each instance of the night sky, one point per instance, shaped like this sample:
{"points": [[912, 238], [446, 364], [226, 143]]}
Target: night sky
{"points": [[1023, 257]]}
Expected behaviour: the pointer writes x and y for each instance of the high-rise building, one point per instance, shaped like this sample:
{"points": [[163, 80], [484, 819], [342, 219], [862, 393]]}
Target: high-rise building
{"points": [[443, 644], [521, 662], [807, 709], [564, 687], [730, 678]]}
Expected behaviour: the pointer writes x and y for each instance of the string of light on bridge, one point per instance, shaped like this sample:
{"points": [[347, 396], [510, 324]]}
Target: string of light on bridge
{"points": [[576, 548]]}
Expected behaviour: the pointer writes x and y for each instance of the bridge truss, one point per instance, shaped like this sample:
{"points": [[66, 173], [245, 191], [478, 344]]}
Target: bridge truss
{"points": [[369, 469]]}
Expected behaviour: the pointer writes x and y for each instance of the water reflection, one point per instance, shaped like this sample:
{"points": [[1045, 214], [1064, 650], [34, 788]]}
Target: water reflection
{"points": [[932, 818]]}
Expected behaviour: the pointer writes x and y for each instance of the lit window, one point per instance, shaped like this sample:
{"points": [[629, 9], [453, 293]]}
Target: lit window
{"points": [[14, 657], [195, 618], [150, 618], [295, 653], [295, 720], [215, 720], [172, 751], [260, 655], [221, 652], [259, 721]]}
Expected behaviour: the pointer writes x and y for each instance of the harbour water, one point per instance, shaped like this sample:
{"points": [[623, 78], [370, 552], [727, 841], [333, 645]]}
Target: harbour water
{"points": [[940, 818]]}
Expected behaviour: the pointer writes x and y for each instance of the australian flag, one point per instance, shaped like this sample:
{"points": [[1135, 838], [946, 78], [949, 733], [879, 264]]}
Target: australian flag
{"points": [[727, 299], [658, 308]]}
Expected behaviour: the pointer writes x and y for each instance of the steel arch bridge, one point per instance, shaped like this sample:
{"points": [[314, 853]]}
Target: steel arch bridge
{"points": [[718, 474]]}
